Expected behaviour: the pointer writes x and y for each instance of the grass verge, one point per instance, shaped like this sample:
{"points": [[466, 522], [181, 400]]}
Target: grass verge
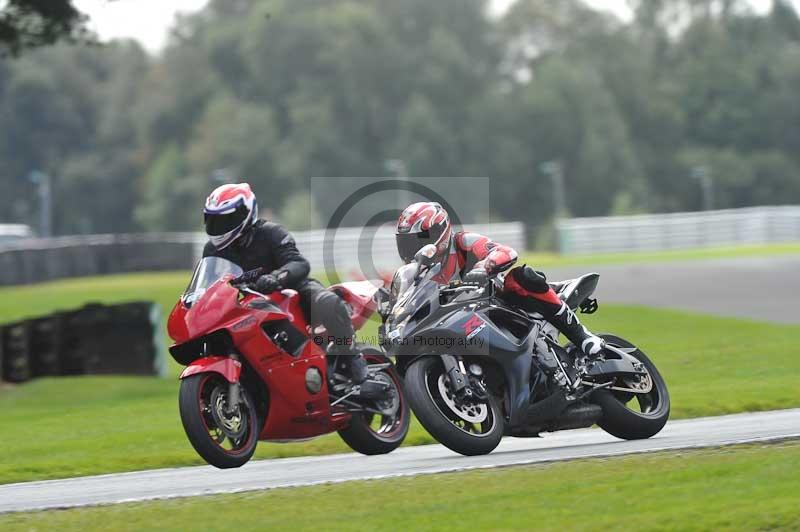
{"points": [[733, 488]]}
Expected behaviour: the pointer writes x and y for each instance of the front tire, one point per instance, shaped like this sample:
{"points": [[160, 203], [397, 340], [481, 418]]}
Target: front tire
{"points": [[622, 417], [223, 437], [371, 434], [476, 430]]}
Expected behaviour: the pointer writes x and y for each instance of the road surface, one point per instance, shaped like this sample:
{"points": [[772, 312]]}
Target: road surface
{"points": [[268, 474], [761, 288]]}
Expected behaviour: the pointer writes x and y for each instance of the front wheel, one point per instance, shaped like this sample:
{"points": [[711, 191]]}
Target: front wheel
{"points": [[383, 428], [468, 427], [634, 416], [224, 435]]}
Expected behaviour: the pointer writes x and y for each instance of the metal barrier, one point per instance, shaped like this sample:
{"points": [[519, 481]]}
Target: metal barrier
{"points": [[682, 230], [14, 232], [122, 339], [46, 259], [39, 260]]}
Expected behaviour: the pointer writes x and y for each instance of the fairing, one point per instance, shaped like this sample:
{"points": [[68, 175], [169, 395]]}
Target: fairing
{"points": [[225, 366], [475, 323], [360, 298], [254, 324]]}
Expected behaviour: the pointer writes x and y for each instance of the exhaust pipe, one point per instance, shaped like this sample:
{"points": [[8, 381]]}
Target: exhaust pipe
{"points": [[578, 416]]}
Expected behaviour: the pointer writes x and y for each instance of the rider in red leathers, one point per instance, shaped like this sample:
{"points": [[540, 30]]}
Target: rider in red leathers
{"points": [[474, 258]]}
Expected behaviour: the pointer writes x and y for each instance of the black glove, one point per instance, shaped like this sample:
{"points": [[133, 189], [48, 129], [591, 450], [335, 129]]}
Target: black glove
{"points": [[478, 277], [267, 284], [247, 277]]}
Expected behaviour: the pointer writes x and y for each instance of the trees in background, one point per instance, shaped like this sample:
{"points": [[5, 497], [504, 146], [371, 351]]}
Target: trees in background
{"points": [[278, 91], [32, 23]]}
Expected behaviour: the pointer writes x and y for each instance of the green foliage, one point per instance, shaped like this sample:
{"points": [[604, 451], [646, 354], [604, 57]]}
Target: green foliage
{"points": [[300, 212], [31, 23], [276, 92], [166, 185]]}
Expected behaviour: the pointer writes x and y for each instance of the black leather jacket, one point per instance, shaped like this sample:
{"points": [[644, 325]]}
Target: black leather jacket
{"points": [[269, 246]]}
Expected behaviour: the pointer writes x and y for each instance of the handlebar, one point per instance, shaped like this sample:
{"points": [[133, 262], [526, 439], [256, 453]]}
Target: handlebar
{"points": [[248, 277], [480, 290], [250, 291], [460, 288]]}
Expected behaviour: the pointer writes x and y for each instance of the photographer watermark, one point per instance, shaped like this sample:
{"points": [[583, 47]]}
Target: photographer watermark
{"points": [[438, 342], [358, 216]]}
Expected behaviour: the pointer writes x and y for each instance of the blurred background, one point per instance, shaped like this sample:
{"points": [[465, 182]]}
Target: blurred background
{"points": [[627, 107], [638, 138], [121, 116]]}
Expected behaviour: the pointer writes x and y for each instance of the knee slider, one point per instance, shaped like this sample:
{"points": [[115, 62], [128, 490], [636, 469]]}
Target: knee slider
{"points": [[530, 279]]}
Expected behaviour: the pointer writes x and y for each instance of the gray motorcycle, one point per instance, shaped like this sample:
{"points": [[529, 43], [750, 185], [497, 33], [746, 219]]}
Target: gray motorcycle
{"points": [[477, 369]]}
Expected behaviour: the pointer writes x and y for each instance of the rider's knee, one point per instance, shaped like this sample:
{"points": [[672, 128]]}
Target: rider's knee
{"points": [[330, 308], [530, 279]]}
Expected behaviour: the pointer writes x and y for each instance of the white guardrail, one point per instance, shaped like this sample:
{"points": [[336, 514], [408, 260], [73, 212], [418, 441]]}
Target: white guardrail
{"points": [[352, 248], [681, 230], [12, 232]]}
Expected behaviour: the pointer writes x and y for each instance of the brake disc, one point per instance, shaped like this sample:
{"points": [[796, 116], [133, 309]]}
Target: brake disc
{"points": [[231, 423], [391, 404], [469, 411]]}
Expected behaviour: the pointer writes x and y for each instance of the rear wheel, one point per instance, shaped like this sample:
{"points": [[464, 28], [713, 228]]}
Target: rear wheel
{"points": [[224, 435], [629, 415], [468, 427], [383, 430]]}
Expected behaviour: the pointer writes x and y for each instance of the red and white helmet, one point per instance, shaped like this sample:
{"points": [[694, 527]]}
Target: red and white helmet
{"points": [[229, 211], [421, 224]]}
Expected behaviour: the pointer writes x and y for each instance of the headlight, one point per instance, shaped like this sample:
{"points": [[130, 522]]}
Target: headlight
{"points": [[395, 330], [394, 334]]}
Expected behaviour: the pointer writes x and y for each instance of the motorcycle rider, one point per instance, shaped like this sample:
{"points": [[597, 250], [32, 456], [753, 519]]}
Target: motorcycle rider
{"points": [[237, 234], [474, 258]]}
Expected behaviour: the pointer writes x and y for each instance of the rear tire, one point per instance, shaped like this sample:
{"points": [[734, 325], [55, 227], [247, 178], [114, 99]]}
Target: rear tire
{"points": [[623, 422], [423, 397], [388, 435], [202, 429]]}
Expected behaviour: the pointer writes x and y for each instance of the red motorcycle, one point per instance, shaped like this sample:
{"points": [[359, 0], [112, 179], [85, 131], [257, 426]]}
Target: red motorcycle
{"points": [[255, 372]]}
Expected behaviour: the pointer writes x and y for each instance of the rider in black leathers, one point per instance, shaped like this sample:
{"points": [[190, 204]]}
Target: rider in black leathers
{"points": [[236, 234]]}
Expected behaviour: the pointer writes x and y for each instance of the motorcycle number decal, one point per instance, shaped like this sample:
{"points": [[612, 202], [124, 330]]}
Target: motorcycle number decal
{"points": [[247, 322], [473, 326]]}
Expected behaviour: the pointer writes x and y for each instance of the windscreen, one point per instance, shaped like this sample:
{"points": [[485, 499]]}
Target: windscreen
{"points": [[208, 270], [403, 279], [409, 291]]}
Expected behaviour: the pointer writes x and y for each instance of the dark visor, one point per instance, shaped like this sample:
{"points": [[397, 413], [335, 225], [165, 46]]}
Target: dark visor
{"points": [[409, 243], [219, 224]]}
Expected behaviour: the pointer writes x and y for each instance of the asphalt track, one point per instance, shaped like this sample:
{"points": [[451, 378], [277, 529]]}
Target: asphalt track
{"points": [[427, 459], [761, 288]]}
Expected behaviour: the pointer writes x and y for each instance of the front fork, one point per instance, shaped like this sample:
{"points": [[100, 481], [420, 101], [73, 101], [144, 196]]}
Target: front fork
{"points": [[234, 391], [465, 384]]}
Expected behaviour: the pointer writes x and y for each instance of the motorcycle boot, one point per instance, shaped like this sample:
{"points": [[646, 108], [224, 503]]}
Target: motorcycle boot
{"points": [[356, 368], [566, 321], [368, 388]]}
